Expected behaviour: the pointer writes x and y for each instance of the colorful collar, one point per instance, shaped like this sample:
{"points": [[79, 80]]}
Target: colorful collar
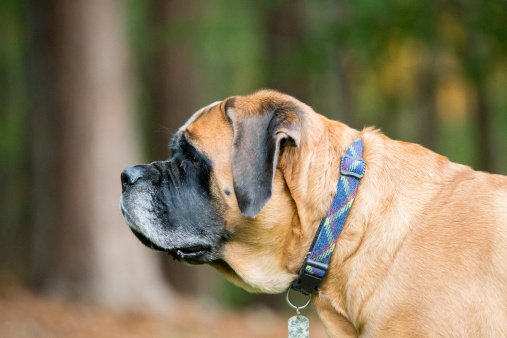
{"points": [[315, 266]]}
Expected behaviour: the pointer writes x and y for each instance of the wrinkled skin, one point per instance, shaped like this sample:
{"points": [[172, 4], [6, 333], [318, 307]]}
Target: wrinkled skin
{"points": [[170, 207]]}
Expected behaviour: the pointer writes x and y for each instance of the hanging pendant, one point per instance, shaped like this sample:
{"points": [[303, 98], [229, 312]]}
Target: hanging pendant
{"points": [[299, 326]]}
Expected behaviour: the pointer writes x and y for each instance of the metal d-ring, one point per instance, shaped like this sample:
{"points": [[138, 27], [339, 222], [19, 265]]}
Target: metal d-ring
{"points": [[297, 307]]}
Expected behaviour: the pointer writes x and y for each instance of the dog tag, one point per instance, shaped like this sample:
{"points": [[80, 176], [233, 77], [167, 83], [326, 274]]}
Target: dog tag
{"points": [[299, 327]]}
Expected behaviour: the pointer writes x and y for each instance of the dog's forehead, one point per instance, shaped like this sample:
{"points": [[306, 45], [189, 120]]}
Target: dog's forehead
{"points": [[208, 128], [197, 114]]}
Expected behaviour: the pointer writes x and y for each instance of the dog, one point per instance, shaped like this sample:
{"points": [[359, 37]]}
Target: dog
{"points": [[423, 251]]}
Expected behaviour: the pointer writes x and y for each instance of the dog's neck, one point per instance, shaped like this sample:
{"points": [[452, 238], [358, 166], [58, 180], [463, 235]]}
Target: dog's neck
{"points": [[313, 187], [315, 266]]}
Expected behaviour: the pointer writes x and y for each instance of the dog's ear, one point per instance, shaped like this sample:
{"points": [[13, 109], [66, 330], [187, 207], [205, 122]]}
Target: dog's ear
{"points": [[260, 132]]}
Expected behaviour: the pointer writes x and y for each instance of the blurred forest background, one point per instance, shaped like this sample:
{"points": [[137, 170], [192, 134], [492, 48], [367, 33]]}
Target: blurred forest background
{"points": [[88, 88]]}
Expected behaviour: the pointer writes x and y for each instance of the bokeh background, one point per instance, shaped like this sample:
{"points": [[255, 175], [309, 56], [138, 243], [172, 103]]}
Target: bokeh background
{"points": [[89, 87]]}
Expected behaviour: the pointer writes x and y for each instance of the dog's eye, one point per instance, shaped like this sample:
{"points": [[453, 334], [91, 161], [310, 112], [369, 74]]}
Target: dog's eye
{"points": [[194, 159]]}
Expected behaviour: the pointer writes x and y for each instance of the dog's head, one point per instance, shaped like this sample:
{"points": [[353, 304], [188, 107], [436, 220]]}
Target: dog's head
{"points": [[220, 199]]}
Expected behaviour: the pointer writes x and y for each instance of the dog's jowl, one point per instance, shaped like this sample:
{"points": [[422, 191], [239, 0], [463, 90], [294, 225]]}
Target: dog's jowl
{"points": [[423, 250]]}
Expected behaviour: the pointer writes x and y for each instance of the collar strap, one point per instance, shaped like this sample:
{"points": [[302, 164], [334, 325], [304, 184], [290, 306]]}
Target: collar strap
{"points": [[315, 266]]}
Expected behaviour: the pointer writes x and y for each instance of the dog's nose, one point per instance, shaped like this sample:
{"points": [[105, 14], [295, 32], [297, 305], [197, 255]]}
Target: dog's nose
{"points": [[131, 175]]}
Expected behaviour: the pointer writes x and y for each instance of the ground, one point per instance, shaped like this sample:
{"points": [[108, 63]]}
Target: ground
{"points": [[25, 314]]}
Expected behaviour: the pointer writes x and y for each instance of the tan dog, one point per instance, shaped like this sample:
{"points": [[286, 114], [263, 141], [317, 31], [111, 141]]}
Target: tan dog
{"points": [[423, 251]]}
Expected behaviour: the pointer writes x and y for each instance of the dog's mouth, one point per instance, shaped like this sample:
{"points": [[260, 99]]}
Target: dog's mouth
{"points": [[143, 239], [190, 254]]}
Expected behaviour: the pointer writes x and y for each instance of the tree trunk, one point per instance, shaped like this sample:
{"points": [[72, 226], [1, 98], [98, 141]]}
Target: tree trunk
{"points": [[483, 121], [427, 100], [285, 49], [90, 252], [477, 65], [343, 68], [174, 90], [171, 73]]}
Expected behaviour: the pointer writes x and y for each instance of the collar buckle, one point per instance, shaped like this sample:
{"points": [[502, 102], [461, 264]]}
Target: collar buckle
{"points": [[307, 283]]}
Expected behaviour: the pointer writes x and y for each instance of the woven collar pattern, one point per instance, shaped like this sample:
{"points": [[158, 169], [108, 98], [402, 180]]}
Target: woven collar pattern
{"points": [[352, 168]]}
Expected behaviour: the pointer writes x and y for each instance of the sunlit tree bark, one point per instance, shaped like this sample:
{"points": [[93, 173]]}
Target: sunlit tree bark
{"points": [[88, 252]]}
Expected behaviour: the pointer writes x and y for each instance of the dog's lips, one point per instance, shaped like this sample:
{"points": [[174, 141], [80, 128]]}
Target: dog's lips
{"points": [[192, 254], [146, 241], [189, 253]]}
